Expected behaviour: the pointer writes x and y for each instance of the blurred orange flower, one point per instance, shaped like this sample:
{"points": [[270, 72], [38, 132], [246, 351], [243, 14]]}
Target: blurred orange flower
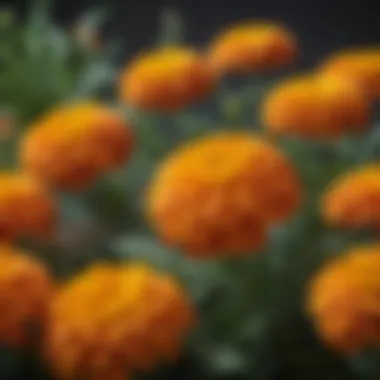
{"points": [[361, 66], [316, 107], [216, 196], [75, 145], [26, 207], [343, 300], [353, 200], [115, 319], [253, 47], [167, 79], [25, 289]]}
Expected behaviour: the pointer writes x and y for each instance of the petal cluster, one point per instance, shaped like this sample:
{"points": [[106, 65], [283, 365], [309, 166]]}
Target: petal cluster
{"points": [[316, 107], [167, 79], [111, 320], [343, 300], [217, 195], [361, 66], [353, 199], [74, 145], [25, 292], [253, 47]]}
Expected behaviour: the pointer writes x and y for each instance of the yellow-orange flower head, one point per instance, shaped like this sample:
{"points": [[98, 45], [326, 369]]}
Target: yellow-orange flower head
{"points": [[76, 144], [361, 66], [113, 320], [344, 303], [253, 47], [215, 196], [26, 207], [25, 291], [167, 79], [316, 107], [353, 200]]}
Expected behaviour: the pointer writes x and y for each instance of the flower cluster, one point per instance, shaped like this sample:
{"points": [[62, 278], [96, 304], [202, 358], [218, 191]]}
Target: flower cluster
{"points": [[171, 78], [218, 196]]}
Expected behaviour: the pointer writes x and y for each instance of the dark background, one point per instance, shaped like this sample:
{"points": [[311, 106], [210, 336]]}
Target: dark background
{"points": [[322, 25]]}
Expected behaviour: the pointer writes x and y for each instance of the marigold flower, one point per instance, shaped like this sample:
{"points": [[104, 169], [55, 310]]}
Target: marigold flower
{"points": [[344, 300], [111, 320], [216, 196], [167, 79], [74, 145], [253, 47], [361, 66], [25, 290], [353, 199], [26, 207], [313, 106]]}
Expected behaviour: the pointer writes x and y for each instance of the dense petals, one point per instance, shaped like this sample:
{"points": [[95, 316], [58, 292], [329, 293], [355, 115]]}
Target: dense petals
{"points": [[353, 199], [316, 107], [217, 196], [253, 47], [113, 320], [361, 66], [167, 79], [75, 145], [25, 291], [343, 300]]}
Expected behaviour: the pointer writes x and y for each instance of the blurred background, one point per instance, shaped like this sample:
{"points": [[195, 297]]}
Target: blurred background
{"points": [[322, 26]]}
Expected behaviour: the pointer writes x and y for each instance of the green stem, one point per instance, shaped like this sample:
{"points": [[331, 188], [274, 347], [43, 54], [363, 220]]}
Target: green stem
{"points": [[9, 149], [172, 28]]}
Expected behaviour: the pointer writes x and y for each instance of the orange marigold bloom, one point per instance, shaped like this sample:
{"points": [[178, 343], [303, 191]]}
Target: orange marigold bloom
{"points": [[353, 200], [216, 196], [253, 47], [361, 66], [167, 79], [343, 300], [112, 319], [74, 145], [25, 290], [26, 207], [313, 106]]}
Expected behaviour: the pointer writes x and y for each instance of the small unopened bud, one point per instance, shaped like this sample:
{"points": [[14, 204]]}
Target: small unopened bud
{"points": [[7, 124], [87, 35]]}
